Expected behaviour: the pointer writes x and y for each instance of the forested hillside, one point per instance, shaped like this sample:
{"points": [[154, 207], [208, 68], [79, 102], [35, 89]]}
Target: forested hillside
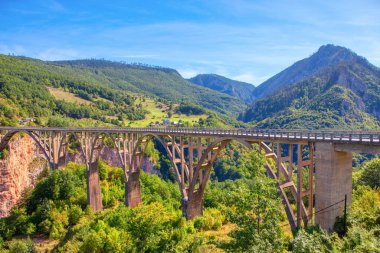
{"points": [[344, 95], [241, 90], [52, 94], [161, 82]]}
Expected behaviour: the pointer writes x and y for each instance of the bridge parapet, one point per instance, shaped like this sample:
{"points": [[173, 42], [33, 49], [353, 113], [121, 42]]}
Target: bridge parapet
{"points": [[334, 136]]}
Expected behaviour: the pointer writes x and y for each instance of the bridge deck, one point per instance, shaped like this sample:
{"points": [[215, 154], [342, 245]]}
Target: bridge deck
{"points": [[346, 137]]}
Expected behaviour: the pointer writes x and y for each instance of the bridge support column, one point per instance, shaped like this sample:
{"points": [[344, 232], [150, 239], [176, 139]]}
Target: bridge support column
{"points": [[333, 180], [193, 207], [58, 165], [132, 190], [94, 196]]}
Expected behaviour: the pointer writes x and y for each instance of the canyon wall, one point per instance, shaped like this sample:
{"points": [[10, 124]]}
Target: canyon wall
{"points": [[20, 168]]}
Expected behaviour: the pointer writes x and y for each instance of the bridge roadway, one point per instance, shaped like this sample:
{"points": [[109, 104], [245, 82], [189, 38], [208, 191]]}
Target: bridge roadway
{"points": [[326, 157], [334, 136]]}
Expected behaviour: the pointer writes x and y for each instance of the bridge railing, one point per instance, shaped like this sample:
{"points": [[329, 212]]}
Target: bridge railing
{"points": [[312, 135], [370, 137]]}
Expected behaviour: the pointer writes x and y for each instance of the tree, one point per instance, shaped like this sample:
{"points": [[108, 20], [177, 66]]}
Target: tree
{"points": [[311, 240], [258, 213], [21, 246], [371, 174]]}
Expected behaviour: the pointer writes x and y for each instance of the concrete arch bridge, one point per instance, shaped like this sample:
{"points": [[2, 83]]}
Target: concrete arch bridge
{"points": [[192, 152]]}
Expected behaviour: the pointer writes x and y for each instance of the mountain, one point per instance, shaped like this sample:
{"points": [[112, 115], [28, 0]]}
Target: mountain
{"points": [[327, 55], [343, 92], [98, 92], [160, 82], [237, 89]]}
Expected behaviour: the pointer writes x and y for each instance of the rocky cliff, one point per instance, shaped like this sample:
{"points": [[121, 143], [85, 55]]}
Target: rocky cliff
{"points": [[18, 170]]}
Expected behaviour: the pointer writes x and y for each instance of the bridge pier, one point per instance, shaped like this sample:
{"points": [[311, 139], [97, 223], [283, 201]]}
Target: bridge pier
{"points": [[133, 190], [193, 207], [94, 196], [333, 180], [58, 165]]}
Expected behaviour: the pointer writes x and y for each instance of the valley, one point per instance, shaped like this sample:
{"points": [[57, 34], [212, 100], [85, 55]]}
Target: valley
{"points": [[333, 89]]}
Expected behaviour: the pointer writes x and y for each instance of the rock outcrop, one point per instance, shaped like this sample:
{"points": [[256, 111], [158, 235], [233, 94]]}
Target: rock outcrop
{"points": [[18, 170]]}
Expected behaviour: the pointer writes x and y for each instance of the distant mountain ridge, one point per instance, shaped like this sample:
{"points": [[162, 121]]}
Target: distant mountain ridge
{"points": [[237, 89], [335, 89]]}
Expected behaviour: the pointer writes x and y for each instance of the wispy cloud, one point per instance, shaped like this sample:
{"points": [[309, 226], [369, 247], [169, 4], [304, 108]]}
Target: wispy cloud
{"points": [[15, 49], [53, 54], [136, 56], [249, 78], [188, 73], [56, 6]]}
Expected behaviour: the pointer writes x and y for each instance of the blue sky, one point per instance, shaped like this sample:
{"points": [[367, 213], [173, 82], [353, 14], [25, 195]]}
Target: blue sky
{"points": [[244, 40]]}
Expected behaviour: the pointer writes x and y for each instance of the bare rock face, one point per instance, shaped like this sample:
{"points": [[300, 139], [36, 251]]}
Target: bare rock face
{"points": [[24, 162], [18, 171]]}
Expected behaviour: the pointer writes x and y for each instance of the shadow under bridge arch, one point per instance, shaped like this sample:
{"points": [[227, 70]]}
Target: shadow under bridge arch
{"points": [[205, 164], [165, 141]]}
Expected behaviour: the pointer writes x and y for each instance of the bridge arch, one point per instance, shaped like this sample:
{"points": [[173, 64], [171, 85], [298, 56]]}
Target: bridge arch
{"points": [[74, 135], [104, 134], [136, 165], [222, 142], [8, 136]]}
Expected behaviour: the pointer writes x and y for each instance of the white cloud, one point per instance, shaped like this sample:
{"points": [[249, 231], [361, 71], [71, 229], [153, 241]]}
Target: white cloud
{"points": [[53, 54], [250, 78], [188, 73]]}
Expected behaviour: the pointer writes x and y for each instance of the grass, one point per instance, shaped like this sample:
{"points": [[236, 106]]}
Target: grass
{"points": [[158, 111], [43, 244], [220, 235], [67, 96]]}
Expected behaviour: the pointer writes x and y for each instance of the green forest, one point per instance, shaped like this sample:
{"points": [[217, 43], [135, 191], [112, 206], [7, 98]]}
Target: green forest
{"points": [[242, 213], [97, 94]]}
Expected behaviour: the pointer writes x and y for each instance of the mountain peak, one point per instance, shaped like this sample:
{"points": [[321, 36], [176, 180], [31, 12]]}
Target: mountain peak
{"points": [[326, 56], [331, 48], [331, 54], [334, 87]]}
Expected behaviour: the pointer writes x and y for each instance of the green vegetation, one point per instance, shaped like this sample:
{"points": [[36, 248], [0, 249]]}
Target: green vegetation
{"points": [[190, 109], [153, 81], [242, 209], [311, 105], [241, 215], [24, 93], [342, 94], [50, 94], [371, 174], [57, 209], [241, 90]]}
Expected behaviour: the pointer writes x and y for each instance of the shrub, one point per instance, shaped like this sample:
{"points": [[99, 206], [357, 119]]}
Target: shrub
{"points": [[4, 154], [213, 219], [21, 246]]}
